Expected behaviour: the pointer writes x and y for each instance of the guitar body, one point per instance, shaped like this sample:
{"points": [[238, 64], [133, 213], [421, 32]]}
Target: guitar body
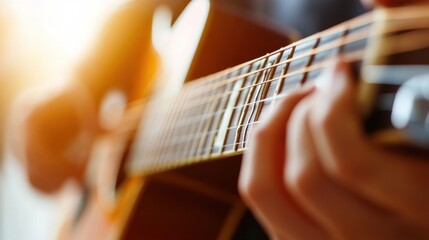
{"points": [[198, 202], [175, 177], [201, 201]]}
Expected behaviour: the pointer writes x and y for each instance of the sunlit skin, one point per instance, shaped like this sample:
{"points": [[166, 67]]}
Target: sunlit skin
{"points": [[312, 173], [343, 187], [122, 60], [60, 131]]}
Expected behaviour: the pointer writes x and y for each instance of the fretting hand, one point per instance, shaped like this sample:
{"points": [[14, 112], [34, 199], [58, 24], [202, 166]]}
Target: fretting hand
{"points": [[59, 133], [312, 173]]}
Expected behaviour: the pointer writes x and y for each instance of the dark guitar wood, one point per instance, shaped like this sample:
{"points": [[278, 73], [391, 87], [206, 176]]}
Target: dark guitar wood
{"points": [[176, 205], [213, 117], [179, 178], [195, 202], [193, 165]]}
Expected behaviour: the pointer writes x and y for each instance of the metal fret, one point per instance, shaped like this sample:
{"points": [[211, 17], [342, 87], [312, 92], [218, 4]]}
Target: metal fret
{"points": [[220, 123], [171, 145], [215, 115], [248, 105], [310, 60], [192, 147], [162, 117], [169, 126], [301, 62], [254, 79], [261, 94], [221, 137], [276, 78], [287, 54], [328, 39], [236, 107], [290, 83], [182, 126], [154, 129], [187, 127], [356, 45]]}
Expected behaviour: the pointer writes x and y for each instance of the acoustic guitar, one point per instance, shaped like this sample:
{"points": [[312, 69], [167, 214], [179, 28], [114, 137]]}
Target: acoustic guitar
{"points": [[185, 51], [169, 170]]}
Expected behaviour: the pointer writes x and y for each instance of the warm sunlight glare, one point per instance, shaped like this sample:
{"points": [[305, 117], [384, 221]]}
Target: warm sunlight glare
{"points": [[47, 37], [41, 43]]}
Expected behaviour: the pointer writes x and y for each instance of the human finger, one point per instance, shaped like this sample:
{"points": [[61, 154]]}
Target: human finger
{"points": [[342, 213], [260, 182], [395, 181]]}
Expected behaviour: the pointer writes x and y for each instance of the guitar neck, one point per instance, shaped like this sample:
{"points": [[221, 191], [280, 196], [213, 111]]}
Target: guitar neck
{"points": [[214, 116]]}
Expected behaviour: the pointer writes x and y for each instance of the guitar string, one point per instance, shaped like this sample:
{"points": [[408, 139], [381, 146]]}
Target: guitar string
{"points": [[188, 153], [270, 69], [354, 57], [395, 15], [356, 23], [299, 71], [212, 114], [333, 44], [314, 67], [170, 121], [289, 61], [215, 113], [362, 20], [247, 141], [261, 70], [202, 134], [290, 74]]}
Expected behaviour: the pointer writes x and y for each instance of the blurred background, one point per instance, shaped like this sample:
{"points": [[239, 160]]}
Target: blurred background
{"points": [[41, 42], [41, 45]]}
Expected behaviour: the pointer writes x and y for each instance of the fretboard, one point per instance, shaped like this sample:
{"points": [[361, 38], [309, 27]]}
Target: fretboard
{"points": [[214, 116]]}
